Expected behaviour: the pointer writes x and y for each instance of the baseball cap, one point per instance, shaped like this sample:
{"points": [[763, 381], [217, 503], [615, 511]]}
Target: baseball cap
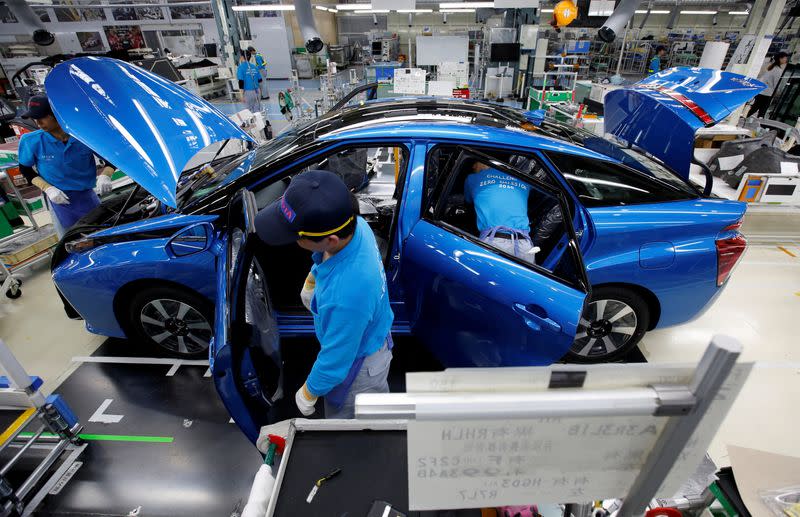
{"points": [[38, 107], [251, 49], [317, 203]]}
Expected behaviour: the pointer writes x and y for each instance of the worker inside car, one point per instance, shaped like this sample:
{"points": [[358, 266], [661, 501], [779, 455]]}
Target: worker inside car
{"points": [[65, 169], [501, 207], [345, 291]]}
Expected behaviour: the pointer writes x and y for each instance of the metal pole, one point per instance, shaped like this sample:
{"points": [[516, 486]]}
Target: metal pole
{"points": [[714, 367], [21, 451]]}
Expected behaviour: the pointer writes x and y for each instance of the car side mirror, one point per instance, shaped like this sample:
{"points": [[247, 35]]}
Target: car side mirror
{"points": [[189, 241]]}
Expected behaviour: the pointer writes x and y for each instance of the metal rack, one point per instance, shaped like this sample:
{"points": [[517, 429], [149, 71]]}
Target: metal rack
{"points": [[24, 237]]}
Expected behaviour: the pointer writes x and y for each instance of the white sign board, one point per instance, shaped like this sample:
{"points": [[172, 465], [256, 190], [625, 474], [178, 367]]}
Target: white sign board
{"points": [[480, 463], [432, 50], [441, 88], [528, 35], [455, 72], [409, 81]]}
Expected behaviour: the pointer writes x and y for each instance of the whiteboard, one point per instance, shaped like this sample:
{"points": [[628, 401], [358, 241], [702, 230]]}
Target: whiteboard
{"points": [[433, 50]]}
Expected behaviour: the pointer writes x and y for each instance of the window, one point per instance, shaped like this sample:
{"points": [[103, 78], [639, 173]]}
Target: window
{"points": [[599, 183], [503, 200]]}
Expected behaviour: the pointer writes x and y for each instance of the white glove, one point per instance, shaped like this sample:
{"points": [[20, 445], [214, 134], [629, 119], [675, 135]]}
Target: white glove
{"points": [[103, 185], [308, 291], [305, 401], [56, 196]]}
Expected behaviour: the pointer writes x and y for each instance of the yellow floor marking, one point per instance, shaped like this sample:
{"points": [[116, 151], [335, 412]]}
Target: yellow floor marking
{"points": [[16, 424], [787, 251]]}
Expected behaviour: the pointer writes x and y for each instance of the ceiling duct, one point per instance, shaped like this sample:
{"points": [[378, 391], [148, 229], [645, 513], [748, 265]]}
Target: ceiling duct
{"points": [[305, 20], [25, 15], [618, 19]]}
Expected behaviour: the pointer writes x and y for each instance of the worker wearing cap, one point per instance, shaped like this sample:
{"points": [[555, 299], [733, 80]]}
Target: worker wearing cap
{"points": [[65, 169], [350, 302], [261, 64], [249, 78]]}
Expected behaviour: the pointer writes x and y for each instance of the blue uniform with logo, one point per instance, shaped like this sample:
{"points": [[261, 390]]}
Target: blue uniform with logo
{"points": [[249, 75], [69, 166], [500, 200], [352, 317], [655, 65]]}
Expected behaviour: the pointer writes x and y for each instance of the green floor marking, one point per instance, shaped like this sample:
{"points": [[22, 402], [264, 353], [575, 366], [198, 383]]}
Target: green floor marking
{"points": [[112, 438]]}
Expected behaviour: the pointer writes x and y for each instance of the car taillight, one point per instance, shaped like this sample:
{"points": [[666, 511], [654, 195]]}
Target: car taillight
{"points": [[729, 251], [81, 245]]}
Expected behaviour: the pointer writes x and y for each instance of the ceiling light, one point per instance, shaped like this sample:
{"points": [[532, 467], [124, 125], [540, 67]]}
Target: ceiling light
{"points": [[698, 12], [415, 10], [734, 13], [321, 8], [263, 7], [653, 11], [467, 5], [456, 11], [547, 10], [353, 7]]}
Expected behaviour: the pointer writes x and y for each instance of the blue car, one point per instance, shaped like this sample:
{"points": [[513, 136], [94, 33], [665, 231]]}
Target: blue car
{"points": [[624, 242]]}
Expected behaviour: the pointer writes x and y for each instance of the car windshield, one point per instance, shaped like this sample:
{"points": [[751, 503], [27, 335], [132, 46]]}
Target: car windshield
{"points": [[206, 179]]}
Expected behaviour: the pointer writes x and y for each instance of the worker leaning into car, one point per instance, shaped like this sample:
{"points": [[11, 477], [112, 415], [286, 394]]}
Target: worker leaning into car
{"points": [[350, 302], [501, 206], [66, 170], [249, 78], [261, 64]]}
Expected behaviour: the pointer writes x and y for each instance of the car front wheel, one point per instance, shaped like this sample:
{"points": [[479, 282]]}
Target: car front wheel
{"points": [[613, 322], [173, 322]]}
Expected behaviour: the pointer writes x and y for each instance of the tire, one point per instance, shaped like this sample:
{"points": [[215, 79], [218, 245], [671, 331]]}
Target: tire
{"points": [[13, 293], [624, 319], [173, 322]]}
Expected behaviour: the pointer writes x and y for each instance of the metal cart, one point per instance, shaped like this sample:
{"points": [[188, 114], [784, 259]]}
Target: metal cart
{"points": [[36, 240]]}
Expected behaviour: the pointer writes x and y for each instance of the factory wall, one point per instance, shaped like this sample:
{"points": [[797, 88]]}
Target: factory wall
{"points": [[326, 25]]}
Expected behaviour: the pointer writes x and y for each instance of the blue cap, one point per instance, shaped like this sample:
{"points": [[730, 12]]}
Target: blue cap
{"points": [[316, 204], [38, 107]]}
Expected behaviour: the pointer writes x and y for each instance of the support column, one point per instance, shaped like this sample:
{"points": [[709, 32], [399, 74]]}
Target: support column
{"points": [[228, 29]]}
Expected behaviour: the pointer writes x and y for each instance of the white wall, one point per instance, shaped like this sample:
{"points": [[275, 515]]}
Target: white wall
{"points": [[270, 37]]}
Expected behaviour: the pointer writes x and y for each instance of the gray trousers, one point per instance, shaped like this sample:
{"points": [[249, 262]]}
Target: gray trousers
{"points": [[372, 378], [252, 101], [263, 84]]}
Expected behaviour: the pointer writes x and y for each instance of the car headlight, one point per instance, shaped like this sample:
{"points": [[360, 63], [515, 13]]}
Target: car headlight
{"points": [[81, 245]]}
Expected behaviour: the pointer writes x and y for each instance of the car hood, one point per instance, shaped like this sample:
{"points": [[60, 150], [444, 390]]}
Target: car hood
{"points": [[144, 124], [661, 113]]}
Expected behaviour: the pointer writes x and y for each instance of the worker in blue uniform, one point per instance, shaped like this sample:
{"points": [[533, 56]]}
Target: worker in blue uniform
{"points": [[65, 169], [501, 207], [249, 78], [261, 63], [350, 302], [655, 63]]}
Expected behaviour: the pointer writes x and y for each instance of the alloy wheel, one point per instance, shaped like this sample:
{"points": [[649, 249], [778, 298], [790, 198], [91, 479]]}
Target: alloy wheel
{"points": [[605, 327], [176, 326]]}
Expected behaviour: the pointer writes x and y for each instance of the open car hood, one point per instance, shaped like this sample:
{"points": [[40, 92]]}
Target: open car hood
{"points": [[147, 126], [661, 113]]}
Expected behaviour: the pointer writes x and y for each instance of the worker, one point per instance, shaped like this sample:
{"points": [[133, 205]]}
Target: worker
{"points": [[66, 170], [771, 76], [350, 302], [249, 78], [501, 206], [261, 63], [655, 63]]}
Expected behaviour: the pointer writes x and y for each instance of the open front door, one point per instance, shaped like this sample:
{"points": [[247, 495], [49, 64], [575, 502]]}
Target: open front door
{"points": [[245, 353], [477, 301]]}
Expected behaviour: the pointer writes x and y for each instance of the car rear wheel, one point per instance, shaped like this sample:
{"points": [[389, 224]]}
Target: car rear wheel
{"points": [[173, 322], [613, 322]]}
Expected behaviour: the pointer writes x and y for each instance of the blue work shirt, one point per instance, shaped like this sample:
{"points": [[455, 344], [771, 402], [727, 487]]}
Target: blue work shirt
{"points": [[655, 65], [67, 166], [248, 73], [260, 63], [352, 314], [499, 199]]}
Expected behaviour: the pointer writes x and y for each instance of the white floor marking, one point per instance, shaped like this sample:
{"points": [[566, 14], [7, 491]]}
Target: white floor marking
{"points": [[172, 371], [140, 360], [208, 373], [100, 416]]}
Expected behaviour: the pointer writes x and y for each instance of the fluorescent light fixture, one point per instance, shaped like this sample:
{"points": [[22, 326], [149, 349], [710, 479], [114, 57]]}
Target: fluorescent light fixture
{"points": [[456, 11], [467, 5], [321, 8], [738, 13], [547, 10], [354, 7], [369, 11], [698, 12], [263, 7], [653, 11], [415, 10]]}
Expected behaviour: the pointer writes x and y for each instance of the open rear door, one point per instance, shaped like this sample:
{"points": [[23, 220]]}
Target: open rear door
{"points": [[661, 113], [245, 353]]}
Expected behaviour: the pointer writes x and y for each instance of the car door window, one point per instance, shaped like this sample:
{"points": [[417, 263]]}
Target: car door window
{"points": [[511, 206]]}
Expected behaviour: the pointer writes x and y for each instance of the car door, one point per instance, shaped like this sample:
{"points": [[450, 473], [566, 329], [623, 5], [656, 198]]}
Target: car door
{"points": [[474, 304], [245, 355]]}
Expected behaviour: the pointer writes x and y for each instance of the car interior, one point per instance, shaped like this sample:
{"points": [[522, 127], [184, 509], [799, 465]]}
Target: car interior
{"points": [[374, 176], [447, 201]]}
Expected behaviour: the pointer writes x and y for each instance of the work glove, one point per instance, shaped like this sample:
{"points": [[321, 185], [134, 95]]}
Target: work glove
{"points": [[103, 185], [308, 290], [56, 195], [305, 401]]}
